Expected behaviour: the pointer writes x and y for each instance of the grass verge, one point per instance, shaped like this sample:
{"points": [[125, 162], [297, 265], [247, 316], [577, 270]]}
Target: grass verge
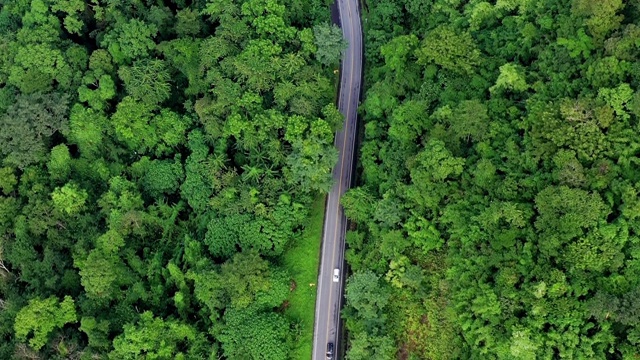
{"points": [[301, 260]]}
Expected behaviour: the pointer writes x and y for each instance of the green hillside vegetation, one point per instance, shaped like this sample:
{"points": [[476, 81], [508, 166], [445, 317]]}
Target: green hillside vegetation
{"points": [[498, 210], [157, 159]]}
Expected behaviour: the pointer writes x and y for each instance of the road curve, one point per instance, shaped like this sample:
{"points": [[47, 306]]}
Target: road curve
{"points": [[329, 296]]}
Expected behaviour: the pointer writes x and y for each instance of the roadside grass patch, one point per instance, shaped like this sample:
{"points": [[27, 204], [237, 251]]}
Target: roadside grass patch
{"points": [[302, 261]]}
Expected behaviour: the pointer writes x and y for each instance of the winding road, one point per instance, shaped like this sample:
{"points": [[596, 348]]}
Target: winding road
{"points": [[329, 296]]}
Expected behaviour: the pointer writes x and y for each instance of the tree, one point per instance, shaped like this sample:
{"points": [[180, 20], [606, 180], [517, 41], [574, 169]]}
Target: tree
{"points": [[407, 121], [366, 294], [69, 199], [255, 65], [88, 130], [433, 169], [122, 206], [223, 234], [97, 91], [522, 347], [185, 55], [8, 180], [424, 234], [102, 273], [41, 317], [569, 171], [364, 346], [251, 335], [582, 44], [132, 125], [453, 50], [267, 17], [197, 187], [358, 204], [565, 214], [618, 98], [147, 81], [101, 62], [163, 177], [312, 158], [399, 51], [35, 67], [602, 17], [28, 125], [607, 72], [130, 40], [188, 23], [329, 42], [71, 8], [155, 338], [248, 281], [171, 129], [97, 331], [59, 164], [510, 78], [469, 120]]}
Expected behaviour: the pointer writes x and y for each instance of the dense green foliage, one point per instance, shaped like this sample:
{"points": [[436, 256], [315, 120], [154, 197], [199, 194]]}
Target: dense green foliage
{"points": [[157, 159], [498, 204]]}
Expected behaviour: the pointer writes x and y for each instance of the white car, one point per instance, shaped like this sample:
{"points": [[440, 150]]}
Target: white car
{"points": [[336, 275]]}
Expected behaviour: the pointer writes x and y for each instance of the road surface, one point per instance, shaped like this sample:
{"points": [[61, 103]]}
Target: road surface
{"points": [[329, 296]]}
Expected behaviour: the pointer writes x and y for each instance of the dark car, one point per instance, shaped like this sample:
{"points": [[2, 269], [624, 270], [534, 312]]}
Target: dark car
{"points": [[330, 351]]}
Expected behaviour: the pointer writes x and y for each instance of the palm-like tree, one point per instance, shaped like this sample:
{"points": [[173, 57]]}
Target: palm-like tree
{"points": [[218, 161], [258, 156], [251, 173]]}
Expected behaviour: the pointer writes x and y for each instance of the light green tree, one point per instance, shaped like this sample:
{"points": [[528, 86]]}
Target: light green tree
{"points": [[96, 92], [522, 346], [99, 274], [72, 9], [155, 338], [88, 129], [132, 124], [452, 49], [398, 51], [41, 317], [69, 199], [59, 164], [510, 78]]}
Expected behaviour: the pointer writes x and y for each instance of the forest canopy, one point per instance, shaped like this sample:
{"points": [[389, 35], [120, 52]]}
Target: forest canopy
{"points": [[497, 207], [157, 159]]}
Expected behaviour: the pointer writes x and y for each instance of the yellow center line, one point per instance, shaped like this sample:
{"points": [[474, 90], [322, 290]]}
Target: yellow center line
{"points": [[344, 142]]}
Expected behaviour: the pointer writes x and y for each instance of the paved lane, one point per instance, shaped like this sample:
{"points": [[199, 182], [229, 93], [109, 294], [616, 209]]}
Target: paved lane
{"points": [[329, 297]]}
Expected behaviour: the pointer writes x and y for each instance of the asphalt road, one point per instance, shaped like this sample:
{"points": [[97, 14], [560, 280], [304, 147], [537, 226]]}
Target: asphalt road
{"points": [[329, 296]]}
